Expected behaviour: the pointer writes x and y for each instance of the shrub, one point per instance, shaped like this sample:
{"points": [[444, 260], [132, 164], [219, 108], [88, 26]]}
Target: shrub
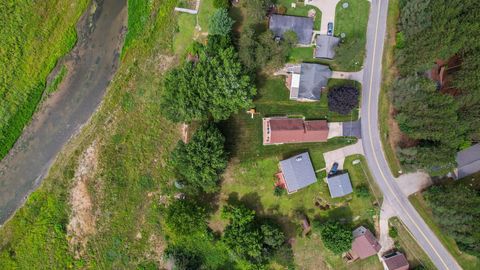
{"points": [[278, 191], [281, 10], [392, 232], [343, 99], [221, 4], [362, 191], [335, 236]]}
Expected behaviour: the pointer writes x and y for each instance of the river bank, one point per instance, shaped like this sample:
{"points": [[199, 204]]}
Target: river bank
{"points": [[91, 66]]}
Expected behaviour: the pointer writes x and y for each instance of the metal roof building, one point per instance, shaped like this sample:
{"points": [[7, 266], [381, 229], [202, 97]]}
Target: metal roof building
{"points": [[339, 185], [298, 172], [325, 46], [468, 161], [307, 81], [302, 26]]}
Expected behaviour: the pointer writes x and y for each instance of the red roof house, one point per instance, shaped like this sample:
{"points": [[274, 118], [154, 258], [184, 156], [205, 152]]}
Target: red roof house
{"points": [[281, 130], [364, 243], [395, 261]]}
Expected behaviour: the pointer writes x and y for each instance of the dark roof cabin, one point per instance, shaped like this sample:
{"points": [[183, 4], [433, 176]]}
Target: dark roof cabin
{"points": [[468, 161], [302, 26]]}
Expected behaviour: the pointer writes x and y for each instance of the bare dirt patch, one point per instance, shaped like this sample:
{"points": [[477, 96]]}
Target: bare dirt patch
{"points": [[82, 219]]}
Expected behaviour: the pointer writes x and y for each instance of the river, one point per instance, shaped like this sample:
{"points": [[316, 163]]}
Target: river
{"points": [[91, 66]]}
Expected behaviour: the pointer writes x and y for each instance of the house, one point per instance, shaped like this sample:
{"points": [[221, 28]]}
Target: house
{"points": [[297, 172], [325, 46], [339, 185], [364, 243], [306, 81], [395, 261], [302, 26], [468, 161], [280, 130]]}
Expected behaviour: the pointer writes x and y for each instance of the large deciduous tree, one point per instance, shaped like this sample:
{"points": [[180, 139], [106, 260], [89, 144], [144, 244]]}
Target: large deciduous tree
{"points": [[214, 86], [201, 160]]}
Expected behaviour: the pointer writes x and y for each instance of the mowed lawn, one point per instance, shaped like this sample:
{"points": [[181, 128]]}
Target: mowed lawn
{"points": [[273, 100], [352, 21]]}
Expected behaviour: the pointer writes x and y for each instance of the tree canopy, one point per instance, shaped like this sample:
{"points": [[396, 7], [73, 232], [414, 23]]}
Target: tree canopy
{"points": [[343, 99], [214, 86], [455, 209], [185, 217], [220, 23], [441, 122], [247, 238], [335, 236], [201, 160]]}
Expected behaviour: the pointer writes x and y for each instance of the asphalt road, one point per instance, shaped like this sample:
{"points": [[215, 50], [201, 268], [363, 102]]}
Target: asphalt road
{"points": [[373, 147]]}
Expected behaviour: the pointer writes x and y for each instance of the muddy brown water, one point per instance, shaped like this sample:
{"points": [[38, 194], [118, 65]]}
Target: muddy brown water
{"points": [[91, 66]]}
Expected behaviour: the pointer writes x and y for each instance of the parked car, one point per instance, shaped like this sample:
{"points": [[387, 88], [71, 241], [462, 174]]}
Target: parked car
{"points": [[330, 29], [334, 169]]}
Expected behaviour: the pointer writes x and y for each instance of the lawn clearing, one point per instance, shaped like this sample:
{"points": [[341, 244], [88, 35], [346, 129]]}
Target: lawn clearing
{"points": [[301, 10], [273, 100], [205, 11], [353, 22], [305, 54], [186, 29], [406, 244]]}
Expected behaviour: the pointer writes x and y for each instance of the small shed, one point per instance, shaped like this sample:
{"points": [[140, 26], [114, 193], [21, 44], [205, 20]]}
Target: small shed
{"points": [[298, 172], [325, 46], [302, 26], [395, 261], [339, 185], [364, 243]]}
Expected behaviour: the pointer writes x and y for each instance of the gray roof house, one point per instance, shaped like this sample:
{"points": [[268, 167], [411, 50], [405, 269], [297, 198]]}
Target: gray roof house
{"points": [[297, 172], [306, 81], [302, 26], [468, 161], [325, 46], [339, 185]]}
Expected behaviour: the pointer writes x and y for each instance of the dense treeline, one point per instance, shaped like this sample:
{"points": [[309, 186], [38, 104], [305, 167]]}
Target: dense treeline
{"points": [[455, 209], [439, 121], [34, 34]]}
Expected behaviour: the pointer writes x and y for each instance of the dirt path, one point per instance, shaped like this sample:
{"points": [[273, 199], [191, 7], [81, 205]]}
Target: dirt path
{"points": [[92, 64]]}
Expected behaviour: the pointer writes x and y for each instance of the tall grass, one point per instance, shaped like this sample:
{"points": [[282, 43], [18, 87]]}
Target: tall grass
{"points": [[33, 36]]}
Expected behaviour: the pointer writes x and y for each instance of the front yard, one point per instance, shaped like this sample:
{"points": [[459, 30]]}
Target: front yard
{"points": [[352, 21], [273, 100]]}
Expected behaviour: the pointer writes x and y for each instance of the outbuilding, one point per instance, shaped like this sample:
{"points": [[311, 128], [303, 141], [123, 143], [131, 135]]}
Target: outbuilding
{"points": [[302, 26], [339, 185]]}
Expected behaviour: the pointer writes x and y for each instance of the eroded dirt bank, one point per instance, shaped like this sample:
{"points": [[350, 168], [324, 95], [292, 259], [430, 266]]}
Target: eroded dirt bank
{"points": [[91, 66]]}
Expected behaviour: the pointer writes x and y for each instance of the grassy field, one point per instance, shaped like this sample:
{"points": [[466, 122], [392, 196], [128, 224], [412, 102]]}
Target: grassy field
{"points": [[186, 29], [353, 22], [273, 100], [405, 243], [388, 75], [132, 141], [465, 260], [206, 10], [301, 10], [34, 35]]}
